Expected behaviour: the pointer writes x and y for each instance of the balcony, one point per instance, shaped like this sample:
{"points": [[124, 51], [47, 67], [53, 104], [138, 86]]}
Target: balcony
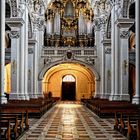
{"points": [[77, 51]]}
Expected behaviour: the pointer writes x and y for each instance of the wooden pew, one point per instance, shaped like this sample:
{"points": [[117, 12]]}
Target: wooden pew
{"points": [[105, 108], [138, 129], [36, 107], [18, 124], [5, 130], [133, 126], [128, 124], [117, 123]]}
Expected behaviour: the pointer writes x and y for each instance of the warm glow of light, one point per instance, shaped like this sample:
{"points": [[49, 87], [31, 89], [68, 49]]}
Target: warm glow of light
{"points": [[69, 72], [68, 78], [69, 115], [7, 79]]}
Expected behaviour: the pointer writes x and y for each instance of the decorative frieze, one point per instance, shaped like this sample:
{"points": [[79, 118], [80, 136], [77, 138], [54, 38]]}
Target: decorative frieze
{"points": [[14, 8]]}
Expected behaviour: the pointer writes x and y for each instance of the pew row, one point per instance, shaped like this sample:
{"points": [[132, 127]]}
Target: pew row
{"points": [[13, 125], [128, 124], [105, 108]]}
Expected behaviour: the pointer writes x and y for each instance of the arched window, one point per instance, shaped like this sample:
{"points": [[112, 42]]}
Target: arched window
{"points": [[68, 78]]}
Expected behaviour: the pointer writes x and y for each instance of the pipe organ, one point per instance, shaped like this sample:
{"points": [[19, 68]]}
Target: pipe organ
{"points": [[69, 23]]}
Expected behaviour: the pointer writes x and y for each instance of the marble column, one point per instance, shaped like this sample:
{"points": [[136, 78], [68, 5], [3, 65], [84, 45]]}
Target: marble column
{"points": [[36, 60], [102, 33], [124, 25], [30, 72], [15, 24], [40, 60], [97, 62], [40, 92], [117, 64], [107, 72], [102, 73], [112, 53], [25, 17], [23, 13], [38, 33], [136, 98], [2, 51], [97, 88], [32, 67]]}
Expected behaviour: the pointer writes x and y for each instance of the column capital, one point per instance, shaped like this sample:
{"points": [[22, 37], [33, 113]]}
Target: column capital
{"points": [[14, 34], [15, 22], [124, 34], [30, 50], [124, 22], [108, 50], [100, 22]]}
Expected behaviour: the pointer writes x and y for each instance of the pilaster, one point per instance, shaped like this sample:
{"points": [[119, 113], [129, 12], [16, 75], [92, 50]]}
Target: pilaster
{"points": [[25, 39], [38, 32], [136, 98], [40, 93], [124, 25], [32, 89], [107, 67], [99, 28], [113, 18], [97, 88], [2, 51], [15, 24]]}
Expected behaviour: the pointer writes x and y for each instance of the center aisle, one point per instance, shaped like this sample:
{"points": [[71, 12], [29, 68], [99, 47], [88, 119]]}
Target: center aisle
{"points": [[72, 121]]}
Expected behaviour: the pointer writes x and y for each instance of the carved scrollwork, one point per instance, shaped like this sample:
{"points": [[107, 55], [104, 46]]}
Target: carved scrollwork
{"points": [[47, 60], [40, 23], [108, 50], [98, 22], [14, 8], [90, 60], [30, 50], [14, 34], [124, 34]]}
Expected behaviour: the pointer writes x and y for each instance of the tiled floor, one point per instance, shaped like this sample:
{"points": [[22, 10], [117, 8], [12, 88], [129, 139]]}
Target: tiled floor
{"points": [[71, 121]]}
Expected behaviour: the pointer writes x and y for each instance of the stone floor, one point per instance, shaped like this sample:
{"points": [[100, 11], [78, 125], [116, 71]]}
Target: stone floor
{"points": [[71, 121]]}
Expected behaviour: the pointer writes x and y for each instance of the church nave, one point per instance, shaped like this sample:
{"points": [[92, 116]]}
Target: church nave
{"points": [[71, 121]]}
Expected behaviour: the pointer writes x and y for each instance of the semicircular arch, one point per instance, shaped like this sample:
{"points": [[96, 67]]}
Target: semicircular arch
{"points": [[47, 67]]}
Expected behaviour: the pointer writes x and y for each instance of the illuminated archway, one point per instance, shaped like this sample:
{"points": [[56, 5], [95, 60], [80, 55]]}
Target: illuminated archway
{"points": [[83, 76]]}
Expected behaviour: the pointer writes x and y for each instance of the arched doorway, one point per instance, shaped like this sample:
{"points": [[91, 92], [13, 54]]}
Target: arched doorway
{"points": [[68, 88], [85, 81]]}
